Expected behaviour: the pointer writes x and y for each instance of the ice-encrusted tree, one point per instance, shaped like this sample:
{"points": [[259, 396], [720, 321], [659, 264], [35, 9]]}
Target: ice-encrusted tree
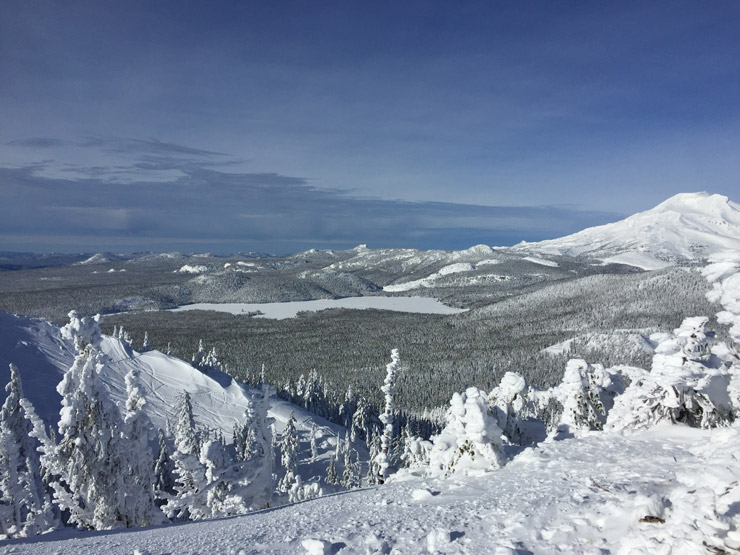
{"points": [[509, 402], [724, 274], [288, 455], [313, 436], [373, 469], [25, 507], [90, 465], [579, 394], [382, 460], [139, 499], [189, 472], [415, 451], [216, 480], [470, 440], [684, 386], [145, 344], [351, 474], [199, 357], [360, 426], [331, 471], [164, 471]]}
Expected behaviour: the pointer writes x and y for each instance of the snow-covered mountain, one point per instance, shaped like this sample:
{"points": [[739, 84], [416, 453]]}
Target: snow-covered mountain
{"points": [[686, 227]]}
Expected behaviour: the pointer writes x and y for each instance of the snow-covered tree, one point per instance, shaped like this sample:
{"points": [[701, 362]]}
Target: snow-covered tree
{"points": [[360, 427], [373, 469], [331, 471], [415, 451], [288, 455], [139, 499], [724, 274], [509, 402], [145, 344], [351, 474], [303, 492], [164, 471], [686, 385], [25, 507], [382, 460], [579, 395], [186, 440], [313, 436], [189, 472], [211, 361], [199, 357], [90, 464], [470, 440]]}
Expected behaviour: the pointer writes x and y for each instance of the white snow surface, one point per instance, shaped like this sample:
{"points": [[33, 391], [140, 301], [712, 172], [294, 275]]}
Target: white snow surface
{"points": [[686, 227], [430, 280], [280, 311], [190, 269], [666, 490], [542, 261]]}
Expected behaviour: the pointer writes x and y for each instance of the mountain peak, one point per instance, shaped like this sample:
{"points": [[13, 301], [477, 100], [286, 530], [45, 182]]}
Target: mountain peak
{"points": [[687, 227], [701, 202]]}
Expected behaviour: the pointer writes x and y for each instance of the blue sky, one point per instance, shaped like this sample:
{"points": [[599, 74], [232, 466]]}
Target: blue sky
{"points": [[280, 126]]}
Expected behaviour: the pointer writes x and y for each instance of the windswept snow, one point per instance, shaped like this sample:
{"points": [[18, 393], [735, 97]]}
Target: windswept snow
{"points": [[280, 311]]}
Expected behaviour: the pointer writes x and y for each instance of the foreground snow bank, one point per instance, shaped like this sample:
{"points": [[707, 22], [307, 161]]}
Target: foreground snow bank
{"points": [[671, 489]]}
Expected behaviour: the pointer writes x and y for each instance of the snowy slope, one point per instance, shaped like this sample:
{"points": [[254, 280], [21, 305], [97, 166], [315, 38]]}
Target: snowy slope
{"points": [[686, 227], [42, 357], [668, 490]]}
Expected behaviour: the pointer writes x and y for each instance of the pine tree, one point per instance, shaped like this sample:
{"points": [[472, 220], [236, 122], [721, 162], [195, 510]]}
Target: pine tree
{"points": [[389, 390], [164, 468], [350, 478], [189, 472], [360, 421], [145, 344], [185, 434], [199, 357], [288, 455], [331, 471], [373, 469], [25, 507], [312, 440], [90, 463], [139, 501]]}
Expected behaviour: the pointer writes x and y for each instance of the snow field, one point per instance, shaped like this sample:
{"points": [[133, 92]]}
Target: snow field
{"points": [[666, 490]]}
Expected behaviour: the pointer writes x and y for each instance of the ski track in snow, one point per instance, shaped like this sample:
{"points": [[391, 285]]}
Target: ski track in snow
{"points": [[583, 495]]}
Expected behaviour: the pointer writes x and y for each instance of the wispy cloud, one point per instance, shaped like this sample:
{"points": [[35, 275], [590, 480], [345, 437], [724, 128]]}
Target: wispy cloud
{"points": [[37, 142], [265, 211]]}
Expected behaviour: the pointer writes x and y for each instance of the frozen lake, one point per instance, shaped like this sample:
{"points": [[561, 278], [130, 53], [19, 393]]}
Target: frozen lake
{"points": [[279, 311]]}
